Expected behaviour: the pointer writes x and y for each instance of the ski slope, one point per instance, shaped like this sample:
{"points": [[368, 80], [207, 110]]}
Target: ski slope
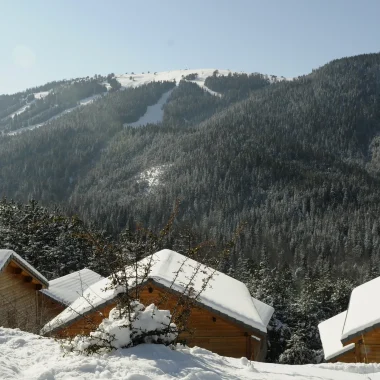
{"points": [[154, 114], [81, 103], [28, 356], [136, 80]]}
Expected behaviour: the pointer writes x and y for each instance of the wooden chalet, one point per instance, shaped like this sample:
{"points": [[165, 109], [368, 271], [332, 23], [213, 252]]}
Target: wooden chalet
{"points": [[20, 284], [354, 335], [225, 318], [28, 300]]}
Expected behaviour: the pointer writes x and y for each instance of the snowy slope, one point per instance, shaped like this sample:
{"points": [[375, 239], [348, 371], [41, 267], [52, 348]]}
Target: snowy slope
{"points": [[27, 356], [152, 176], [177, 75], [154, 114], [81, 103]]}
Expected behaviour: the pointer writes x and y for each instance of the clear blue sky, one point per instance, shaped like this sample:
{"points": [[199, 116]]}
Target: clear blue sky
{"points": [[45, 40]]}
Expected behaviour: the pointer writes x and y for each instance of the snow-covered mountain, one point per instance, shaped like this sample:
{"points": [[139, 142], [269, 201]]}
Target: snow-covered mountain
{"points": [[30, 101], [134, 80]]}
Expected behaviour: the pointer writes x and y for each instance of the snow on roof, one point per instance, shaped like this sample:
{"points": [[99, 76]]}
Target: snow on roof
{"points": [[6, 255], [330, 332], [67, 289], [265, 311], [363, 310], [224, 294]]}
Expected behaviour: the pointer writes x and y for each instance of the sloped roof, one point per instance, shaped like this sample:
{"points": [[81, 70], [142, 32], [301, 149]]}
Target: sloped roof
{"points": [[330, 332], [363, 311], [7, 255], [67, 289], [224, 294], [265, 311]]}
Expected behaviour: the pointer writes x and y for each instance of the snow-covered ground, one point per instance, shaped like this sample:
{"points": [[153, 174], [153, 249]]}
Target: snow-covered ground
{"points": [[141, 79], [135, 80], [19, 111], [27, 356], [41, 95], [152, 175], [154, 114]]}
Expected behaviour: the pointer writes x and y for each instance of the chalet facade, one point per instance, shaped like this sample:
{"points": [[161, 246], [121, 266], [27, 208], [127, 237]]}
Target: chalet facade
{"points": [[354, 335], [28, 300], [20, 286], [224, 319]]}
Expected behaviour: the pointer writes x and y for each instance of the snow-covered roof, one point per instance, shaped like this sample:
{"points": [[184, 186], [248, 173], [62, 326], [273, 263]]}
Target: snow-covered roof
{"points": [[265, 311], [224, 294], [7, 255], [67, 289], [363, 310], [330, 332]]}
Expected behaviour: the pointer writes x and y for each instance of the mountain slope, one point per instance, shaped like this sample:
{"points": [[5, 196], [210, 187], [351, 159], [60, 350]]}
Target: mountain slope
{"points": [[297, 160]]}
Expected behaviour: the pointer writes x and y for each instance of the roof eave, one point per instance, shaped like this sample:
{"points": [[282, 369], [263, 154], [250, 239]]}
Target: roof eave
{"points": [[335, 356], [35, 274], [348, 338]]}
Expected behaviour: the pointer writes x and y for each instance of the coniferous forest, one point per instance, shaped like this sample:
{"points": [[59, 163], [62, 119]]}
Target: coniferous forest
{"points": [[294, 162]]}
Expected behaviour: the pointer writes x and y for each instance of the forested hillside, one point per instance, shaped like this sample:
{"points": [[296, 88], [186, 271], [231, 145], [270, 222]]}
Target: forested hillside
{"points": [[296, 161]]}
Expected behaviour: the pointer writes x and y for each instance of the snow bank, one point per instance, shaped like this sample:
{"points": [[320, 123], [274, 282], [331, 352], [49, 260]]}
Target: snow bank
{"points": [[27, 356], [120, 329], [223, 294], [330, 332]]}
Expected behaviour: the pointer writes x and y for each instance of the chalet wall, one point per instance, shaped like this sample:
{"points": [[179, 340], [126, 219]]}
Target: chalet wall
{"points": [[18, 301], [347, 357], [367, 349], [209, 330], [48, 308]]}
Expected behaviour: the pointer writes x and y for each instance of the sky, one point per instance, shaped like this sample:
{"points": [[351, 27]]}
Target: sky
{"points": [[45, 40]]}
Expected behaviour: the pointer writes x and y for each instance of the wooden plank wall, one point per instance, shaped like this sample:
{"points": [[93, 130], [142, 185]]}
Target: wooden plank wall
{"points": [[18, 300], [209, 330], [48, 308], [347, 357], [367, 349]]}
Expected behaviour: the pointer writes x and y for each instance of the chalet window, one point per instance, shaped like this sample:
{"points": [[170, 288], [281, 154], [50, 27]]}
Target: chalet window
{"points": [[213, 319], [150, 289]]}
